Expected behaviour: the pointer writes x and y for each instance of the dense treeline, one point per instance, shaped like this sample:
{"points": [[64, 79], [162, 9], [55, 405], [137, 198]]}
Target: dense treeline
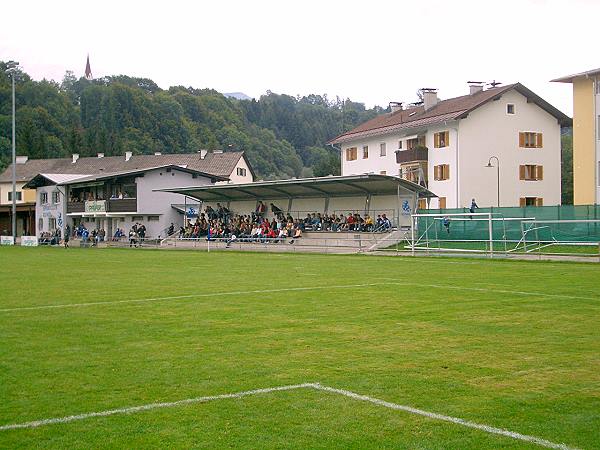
{"points": [[283, 136]]}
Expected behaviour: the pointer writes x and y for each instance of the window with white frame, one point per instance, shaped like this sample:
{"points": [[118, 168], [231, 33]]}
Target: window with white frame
{"points": [[510, 108], [55, 197], [40, 224], [18, 196], [382, 149], [241, 171], [43, 198], [365, 151], [51, 224]]}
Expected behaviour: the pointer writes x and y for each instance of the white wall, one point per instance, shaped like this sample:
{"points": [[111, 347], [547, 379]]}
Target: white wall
{"points": [[50, 210], [374, 163], [490, 131], [235, 178]]}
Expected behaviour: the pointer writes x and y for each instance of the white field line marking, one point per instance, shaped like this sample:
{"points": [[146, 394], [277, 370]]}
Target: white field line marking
{"points": [[435, 416], [135, 409], [306, 288], [317, 386]]}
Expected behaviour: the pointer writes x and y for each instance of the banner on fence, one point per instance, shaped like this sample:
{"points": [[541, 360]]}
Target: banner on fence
{"points": [[29, 241], [7, 240]]}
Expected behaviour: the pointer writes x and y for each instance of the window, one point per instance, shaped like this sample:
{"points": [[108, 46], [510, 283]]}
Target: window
{"points": [[400, 145], [51, 224], [351, 154], [531, 172], [365, 152], [510, 108], [43, 198], [55, 197], [153, 218], [382, 149], [383, 172], [441, 139], [441, 172], [241, 171], [442, 202], [40, 224], [137, 218], [18, 196], [530, 139], [531, 201], [415, 142]]}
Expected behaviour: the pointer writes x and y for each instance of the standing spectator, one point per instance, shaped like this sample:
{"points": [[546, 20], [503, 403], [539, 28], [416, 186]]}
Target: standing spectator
{"points": [[473, 207]]}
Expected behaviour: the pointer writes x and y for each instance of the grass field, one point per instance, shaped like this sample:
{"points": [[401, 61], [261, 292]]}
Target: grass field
{"points": [[508, 344]]}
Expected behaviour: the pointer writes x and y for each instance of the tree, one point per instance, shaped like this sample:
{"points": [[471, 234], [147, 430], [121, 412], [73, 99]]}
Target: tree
{"points": [[567, 168]]}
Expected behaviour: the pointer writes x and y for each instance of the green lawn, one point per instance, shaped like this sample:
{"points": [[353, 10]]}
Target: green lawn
{"points": [[509, 344]]}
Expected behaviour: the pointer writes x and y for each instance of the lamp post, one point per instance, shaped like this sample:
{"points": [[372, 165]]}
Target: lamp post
{"points": [[12, 68], [497, 166]]}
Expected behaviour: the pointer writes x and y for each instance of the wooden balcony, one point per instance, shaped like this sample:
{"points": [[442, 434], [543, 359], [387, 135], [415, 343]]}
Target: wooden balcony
{"points": [[122, 205], [75, 207], [413, 155]]}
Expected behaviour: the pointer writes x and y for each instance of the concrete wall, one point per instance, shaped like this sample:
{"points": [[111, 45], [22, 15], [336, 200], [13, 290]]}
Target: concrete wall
{"points": [[488, 131], [50, 210], [27, 195]]}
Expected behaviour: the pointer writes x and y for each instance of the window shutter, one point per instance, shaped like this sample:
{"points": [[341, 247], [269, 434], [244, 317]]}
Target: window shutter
{"points": [[521, 139], [522, 202], [447, 138], [539, 173], [436, 173], [521, 172], [436, 140], [538, 141], [447, 174], [539, 201]]}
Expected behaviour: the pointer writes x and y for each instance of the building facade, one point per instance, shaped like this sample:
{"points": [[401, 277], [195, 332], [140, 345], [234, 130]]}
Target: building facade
{"points": [[448, 145], [114, 201], [586, 136], [227, 167]]}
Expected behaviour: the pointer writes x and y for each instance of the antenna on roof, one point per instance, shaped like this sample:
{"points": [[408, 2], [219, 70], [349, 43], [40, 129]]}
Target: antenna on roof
{"points": [[475, 82], [494, 83]]}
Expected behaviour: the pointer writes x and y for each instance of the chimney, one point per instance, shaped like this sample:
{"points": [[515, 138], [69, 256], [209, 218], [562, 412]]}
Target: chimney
{"points": [[396, 106], [157, 153], [128, 156], [75, 157], [475, 87], [21, 159], [203, 153], [100, 155], [217, 151], [430, 98]]}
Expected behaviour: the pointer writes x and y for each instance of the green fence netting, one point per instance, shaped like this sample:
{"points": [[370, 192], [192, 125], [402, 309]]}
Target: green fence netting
{"points": [[510, 223]]}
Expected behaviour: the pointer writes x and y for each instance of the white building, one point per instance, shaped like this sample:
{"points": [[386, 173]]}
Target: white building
{"points": [[114, 200], [447, 145]]}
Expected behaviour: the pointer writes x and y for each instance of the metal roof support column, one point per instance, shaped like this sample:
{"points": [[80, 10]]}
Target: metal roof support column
{"points": [[326, 205], [367, 204], [289, 208], [399, 207]]}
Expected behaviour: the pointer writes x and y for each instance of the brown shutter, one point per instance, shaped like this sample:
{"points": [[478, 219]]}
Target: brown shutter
{"points": [[539, 201], [538, 141], [436, 140], [447, 140], [522, 202], [447, 177], [539, 173], [521, 172], [442, 202], [435, 173], [438, 174], [521, 139]]}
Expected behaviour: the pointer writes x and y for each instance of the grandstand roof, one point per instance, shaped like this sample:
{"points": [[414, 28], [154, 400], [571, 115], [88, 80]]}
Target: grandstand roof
{"points": [[334, 186]]}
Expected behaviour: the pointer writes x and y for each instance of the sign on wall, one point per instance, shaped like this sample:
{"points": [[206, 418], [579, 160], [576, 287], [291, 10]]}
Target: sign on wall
{"points": [[29, 241], [7, 240], [95, 206]]}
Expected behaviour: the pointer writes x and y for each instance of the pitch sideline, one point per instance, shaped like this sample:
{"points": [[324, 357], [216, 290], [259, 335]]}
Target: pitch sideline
{"points": [[317, 386]]}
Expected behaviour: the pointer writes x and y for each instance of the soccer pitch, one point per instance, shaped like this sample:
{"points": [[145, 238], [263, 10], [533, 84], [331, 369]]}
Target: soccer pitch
{"points": [[167, 349]]}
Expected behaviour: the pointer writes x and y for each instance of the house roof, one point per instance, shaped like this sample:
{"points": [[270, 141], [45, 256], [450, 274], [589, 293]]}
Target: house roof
{"points": [[216, 164], [43, 179], [570, 78], [444, 110], [333, 186]]}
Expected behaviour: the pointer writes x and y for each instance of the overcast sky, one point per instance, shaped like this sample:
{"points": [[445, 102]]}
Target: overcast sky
{"points": [[373, 52]]}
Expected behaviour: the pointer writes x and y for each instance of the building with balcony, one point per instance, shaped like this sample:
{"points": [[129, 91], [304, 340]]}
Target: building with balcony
{"points": [[114, 200], [446, 146], [586, 136], [224, 167]]}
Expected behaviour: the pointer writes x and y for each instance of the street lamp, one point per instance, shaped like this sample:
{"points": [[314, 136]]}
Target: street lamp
{"points": [[12, 69], [497, 166]]}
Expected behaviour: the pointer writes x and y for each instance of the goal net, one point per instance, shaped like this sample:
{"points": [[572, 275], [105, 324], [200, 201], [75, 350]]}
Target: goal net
{"points": [[538, 234]]}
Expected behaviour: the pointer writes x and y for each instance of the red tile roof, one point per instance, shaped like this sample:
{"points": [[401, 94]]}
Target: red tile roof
{"points": [[450, 109]]}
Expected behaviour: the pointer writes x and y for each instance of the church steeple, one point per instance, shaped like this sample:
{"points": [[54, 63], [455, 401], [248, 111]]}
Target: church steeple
{"points": [[88, 69]]}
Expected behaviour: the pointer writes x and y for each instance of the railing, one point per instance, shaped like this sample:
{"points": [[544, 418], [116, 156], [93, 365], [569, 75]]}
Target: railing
{"points": [[112, 205], [415, 154], [75, 207]]}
